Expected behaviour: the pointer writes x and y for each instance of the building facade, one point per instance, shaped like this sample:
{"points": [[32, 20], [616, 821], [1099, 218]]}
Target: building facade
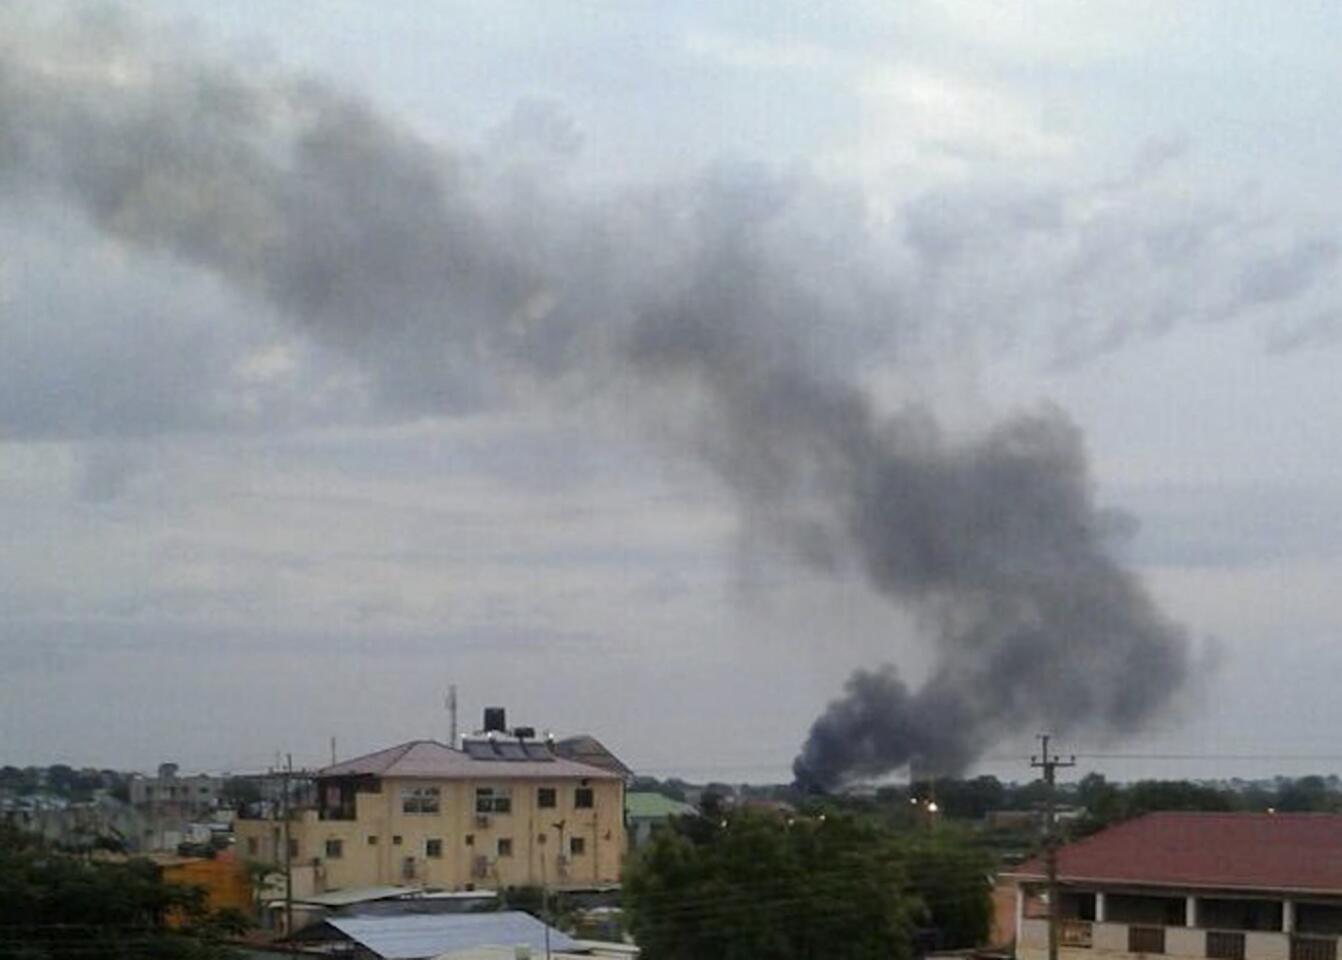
{"points": [[501, 811], [168, 791], [1194, 885]]}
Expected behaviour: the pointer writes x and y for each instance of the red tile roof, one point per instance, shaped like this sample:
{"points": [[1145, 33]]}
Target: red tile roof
{"points": [[1297, 852], [429, 759]]}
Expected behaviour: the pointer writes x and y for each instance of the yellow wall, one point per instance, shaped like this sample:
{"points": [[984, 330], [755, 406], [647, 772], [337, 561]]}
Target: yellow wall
{"points": [[380, 815], [223, 879]]}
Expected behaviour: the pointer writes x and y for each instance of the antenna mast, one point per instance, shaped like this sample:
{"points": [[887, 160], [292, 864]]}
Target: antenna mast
{"points": [[452, 713]]}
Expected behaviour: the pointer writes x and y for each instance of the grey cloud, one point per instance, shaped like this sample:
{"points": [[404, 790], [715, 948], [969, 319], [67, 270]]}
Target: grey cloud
{"points": [[732, 311], [1233, 525], [1091, 267]]}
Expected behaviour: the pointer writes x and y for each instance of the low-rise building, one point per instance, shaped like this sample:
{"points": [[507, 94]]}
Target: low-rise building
{"points": [[1225, 886], [645, 811], [501, 811], [168, 791]]}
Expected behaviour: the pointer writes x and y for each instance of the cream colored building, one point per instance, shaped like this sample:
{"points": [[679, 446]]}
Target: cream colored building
{"points": [[1199, 886], [501, 811]]}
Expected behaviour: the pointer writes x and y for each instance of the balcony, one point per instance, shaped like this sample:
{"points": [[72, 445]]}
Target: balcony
{"points": [[1085, 940]]}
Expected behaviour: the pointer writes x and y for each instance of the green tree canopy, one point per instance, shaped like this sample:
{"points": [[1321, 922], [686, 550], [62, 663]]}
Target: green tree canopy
{"points": [[55, 906], [758, 885], [950, 876]]}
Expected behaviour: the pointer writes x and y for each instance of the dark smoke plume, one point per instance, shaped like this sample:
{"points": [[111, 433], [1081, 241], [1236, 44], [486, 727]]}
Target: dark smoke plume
{"points": [[461, 279]]}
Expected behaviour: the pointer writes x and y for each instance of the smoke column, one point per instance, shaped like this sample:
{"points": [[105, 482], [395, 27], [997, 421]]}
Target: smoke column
{"points": [[459, 280]]}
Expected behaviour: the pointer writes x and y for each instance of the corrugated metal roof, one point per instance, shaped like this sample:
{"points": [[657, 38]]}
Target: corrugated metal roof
{"points": [[343, 898], [1249, 851], [417, 936], [429, 759]]}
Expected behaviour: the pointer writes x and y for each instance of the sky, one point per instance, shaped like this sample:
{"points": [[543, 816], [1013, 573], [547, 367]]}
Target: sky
{"points": [[239, 524]]}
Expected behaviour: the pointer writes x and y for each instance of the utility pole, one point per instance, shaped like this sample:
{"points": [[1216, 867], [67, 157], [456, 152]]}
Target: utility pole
{"points": [[288, 853], [545, 904], [1050, 763]]}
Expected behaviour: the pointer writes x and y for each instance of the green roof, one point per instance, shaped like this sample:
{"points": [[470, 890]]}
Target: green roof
{"points": [[654, 806]]}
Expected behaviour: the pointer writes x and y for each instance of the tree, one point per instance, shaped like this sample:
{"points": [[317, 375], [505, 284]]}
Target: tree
{"points": [[1307, 795], [970, 799], [54, 906], [950, 877], [763, 886], [1146, 796]]}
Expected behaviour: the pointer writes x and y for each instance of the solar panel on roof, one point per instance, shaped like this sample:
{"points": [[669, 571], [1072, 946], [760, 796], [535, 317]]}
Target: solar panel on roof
{"points": [[507, 750]]}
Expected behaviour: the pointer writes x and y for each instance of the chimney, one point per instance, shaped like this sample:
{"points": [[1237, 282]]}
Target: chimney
{"points": [[496, 720]]}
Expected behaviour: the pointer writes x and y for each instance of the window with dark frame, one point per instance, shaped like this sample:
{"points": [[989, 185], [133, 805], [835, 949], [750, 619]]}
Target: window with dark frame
{"points": [[577, 846], [420, 800], [505, 847], [433, 848], [545, 798], [493, 800], [335, 849], [582, 798]]}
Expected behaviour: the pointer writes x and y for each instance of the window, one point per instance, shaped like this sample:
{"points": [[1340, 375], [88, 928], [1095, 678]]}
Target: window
{"points": [[505, 846], [293, 849], [493, 800], [433, 848], [545, 797], [419, 800], [470, 839], [396, 840], [335, 849], [372, 839], [542, 839], [582, 798], [252, 846], [577, 846]]}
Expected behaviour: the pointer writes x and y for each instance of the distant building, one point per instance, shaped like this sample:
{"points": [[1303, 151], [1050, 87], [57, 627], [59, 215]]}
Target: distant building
{"points": [[644, 812], [102, 822], [1227, 886], [170, 792], [504, 810]]}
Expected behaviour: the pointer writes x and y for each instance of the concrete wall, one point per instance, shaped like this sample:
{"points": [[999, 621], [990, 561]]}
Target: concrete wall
{"points": [[1109, 941], [371, 855]]}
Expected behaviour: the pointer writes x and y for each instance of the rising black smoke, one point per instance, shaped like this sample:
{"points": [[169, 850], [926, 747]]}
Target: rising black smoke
{"points": [[458, 280]]}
